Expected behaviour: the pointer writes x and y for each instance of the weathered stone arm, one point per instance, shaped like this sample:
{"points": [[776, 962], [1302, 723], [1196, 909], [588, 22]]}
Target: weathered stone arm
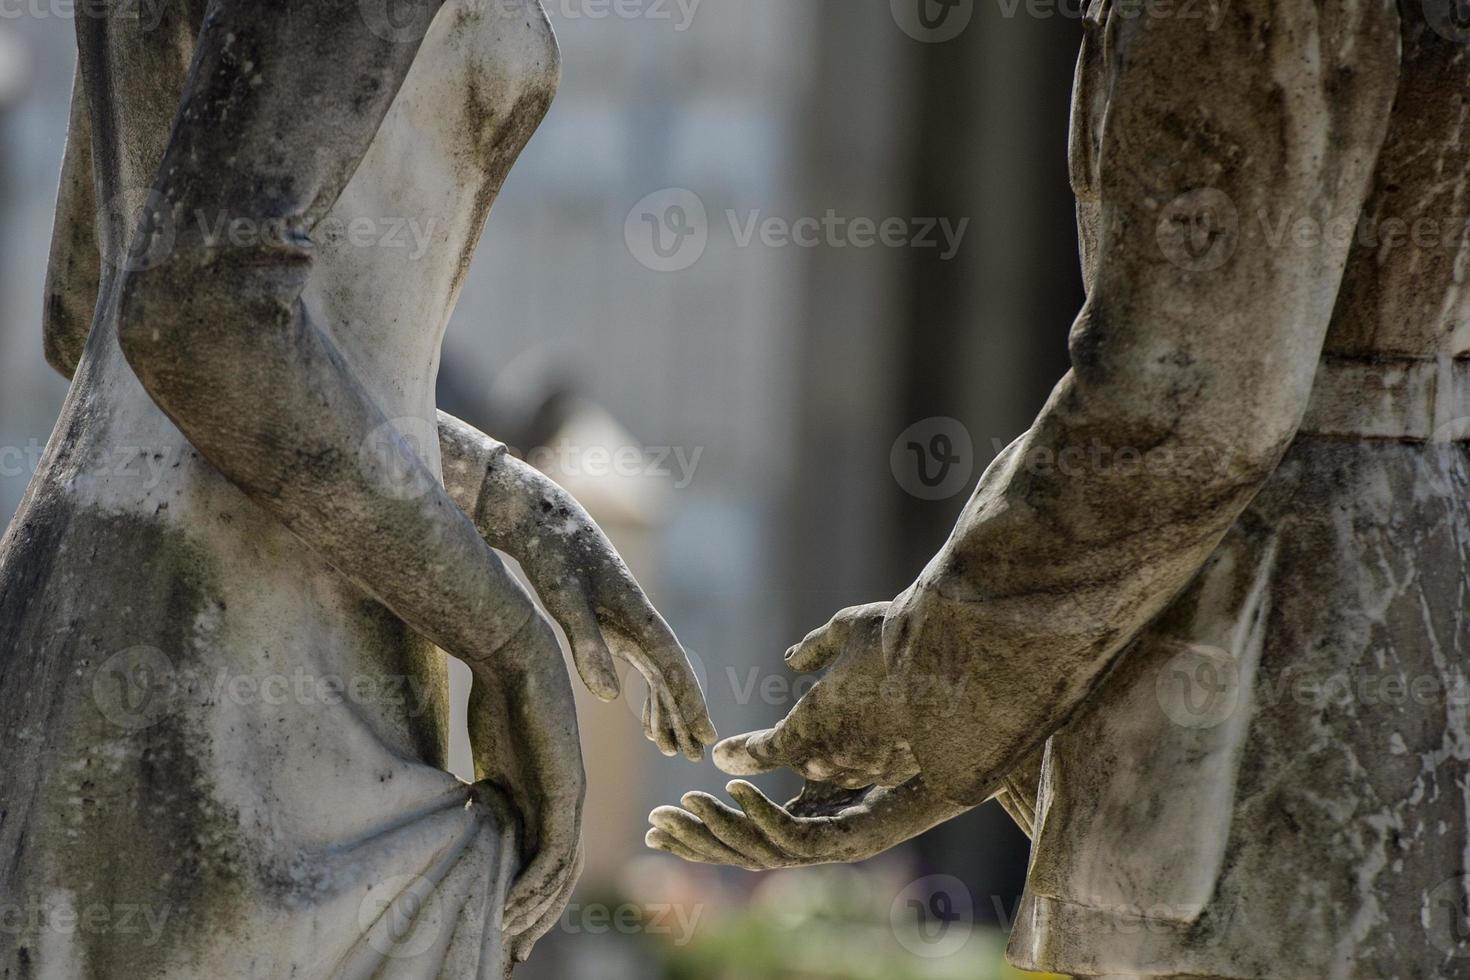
{"points": [[578, 573], [1192, 365], [861, 797], [74, 271], [220, 340], [581, 580]]}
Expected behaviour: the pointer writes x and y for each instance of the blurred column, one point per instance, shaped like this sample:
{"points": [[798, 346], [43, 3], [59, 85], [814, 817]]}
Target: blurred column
{"points": [[858, 159], [14, 68], [984, 335], [37, 56]]}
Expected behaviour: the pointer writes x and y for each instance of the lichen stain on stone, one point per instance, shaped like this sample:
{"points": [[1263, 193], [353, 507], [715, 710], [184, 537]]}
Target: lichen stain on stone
{"points": [[501, 110], [113, 814], [390, 648], [494, 148]]}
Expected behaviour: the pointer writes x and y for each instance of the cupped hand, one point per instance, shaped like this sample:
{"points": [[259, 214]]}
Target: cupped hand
{"points": [[585, 585], [762, 836], [846, 730]]}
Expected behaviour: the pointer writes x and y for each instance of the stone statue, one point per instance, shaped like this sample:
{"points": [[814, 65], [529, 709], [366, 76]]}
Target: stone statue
{"points": [[1204, 628], [222, 709]]}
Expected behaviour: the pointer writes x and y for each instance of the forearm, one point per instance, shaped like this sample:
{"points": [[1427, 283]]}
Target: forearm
{"points": [[1020, 615], [265, 397], [467, 457], [507, 498], [904, 812], [513, 504], [220, 339], [1188, 383]]}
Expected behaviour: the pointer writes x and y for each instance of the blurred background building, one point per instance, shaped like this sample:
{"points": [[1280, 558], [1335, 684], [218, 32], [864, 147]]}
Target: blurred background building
{"points": [[747, 410]]}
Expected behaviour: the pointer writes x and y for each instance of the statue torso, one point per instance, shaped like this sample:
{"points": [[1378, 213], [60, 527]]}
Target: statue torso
{"points": [[184, 681], [392, 256]]}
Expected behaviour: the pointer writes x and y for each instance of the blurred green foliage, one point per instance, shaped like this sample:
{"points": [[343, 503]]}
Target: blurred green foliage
{"points": [[828, 924]]}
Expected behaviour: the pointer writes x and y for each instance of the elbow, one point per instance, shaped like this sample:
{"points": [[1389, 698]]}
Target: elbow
{"points": [[1230, 407], [191, 350], [201, 328]]}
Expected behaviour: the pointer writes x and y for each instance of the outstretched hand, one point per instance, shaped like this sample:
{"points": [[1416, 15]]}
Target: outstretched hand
{"points": [[845, 730], [584, 584], [820, 827]]}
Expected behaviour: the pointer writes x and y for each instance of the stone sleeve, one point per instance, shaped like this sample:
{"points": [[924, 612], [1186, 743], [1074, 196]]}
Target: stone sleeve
{"points": [[1226, 149]]}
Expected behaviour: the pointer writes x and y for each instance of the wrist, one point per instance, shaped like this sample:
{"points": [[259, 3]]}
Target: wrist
{"points": [[928, 696], [505, 623], [491, 495]]}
